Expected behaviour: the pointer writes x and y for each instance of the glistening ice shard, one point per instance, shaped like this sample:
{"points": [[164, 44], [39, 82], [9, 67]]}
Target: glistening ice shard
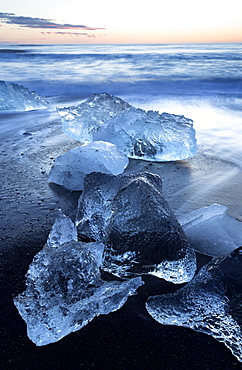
{"points": [[82, 121], [63, 231], [141, 234], [150, 136], [64, 287], [139, 134], [70, 168], [210, 303], [19, 98]]}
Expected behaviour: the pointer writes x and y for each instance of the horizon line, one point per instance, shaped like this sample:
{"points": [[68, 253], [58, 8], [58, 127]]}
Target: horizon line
{"points": [[123, 43]]}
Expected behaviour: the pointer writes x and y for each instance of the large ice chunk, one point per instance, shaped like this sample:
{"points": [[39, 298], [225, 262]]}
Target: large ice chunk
{"points": [[82, 121], [139, 134], [19, 98], [210, 231], [70, 168], [150, 136], [64, 288], [129, 214], [210, 303]]}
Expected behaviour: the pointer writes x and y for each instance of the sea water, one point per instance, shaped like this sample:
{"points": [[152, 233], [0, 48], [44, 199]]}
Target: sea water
{"points": [[200, 81]]}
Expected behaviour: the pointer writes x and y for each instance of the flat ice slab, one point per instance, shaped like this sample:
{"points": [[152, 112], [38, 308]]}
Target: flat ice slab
{"points": [[70, 168], [209, 303], [64, 287], [141, 234], [139, 134], [19, 98], [210, 231]]}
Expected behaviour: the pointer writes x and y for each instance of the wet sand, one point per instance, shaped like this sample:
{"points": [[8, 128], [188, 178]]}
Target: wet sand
{"points": [[128, 338]]}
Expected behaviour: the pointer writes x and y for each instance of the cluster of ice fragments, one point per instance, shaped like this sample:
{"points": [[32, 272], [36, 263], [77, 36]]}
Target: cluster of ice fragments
{"points": [[137, 133], [64, 287], [209, 303], [131, 217], [19, 98], [70, 168], [128, 229], [112, 130]]}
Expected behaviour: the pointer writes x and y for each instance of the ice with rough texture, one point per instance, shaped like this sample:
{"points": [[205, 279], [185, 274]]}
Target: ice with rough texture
{"points": [[131, 217], [19, 98], [64, 287], [82, 121], [70, 168], [63, 231], [210, 303], [139, 134], [210, 231], [150, 136]]}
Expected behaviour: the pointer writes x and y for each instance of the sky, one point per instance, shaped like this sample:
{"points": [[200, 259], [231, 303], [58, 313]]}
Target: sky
{"points": [[125, 21]]}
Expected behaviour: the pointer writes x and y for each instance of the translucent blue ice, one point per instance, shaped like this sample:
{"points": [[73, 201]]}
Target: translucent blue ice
{"points": [[70, 168], [150, 136], [139, 134], [82, 121], [141, 234], [19, 98], [209, 303], [64, 287], [210, 231]]}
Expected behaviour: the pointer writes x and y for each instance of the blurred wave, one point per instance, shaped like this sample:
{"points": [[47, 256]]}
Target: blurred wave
{"points": [[201, 81], [150, 69]]}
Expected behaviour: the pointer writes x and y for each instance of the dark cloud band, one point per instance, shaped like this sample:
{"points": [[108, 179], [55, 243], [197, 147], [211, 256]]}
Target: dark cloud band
{"points": [[30, 22]]}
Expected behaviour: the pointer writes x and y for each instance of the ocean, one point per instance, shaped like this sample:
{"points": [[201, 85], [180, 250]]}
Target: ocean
{"points": [[200, 81]]}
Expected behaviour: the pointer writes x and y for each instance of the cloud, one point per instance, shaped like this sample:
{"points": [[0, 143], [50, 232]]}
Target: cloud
{"points": [[41, 23], [69, 33]]}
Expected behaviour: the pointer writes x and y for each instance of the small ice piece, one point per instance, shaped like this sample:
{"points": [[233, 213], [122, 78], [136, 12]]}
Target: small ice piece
{"points": [[210, 231], [82, 121], [63, 231], [150, 136], [70, 168], [131, 217], [19, 98], [65, 290], [209, 303]]}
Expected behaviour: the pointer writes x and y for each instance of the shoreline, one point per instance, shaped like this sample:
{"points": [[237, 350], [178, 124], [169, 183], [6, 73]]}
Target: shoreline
{"points": [[127, 338]]}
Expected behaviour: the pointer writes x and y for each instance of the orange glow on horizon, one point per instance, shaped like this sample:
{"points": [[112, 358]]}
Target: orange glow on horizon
{"points": [[124, 38], [133, 23]]}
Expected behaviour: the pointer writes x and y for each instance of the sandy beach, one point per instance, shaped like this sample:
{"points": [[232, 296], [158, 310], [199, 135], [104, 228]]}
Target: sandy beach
{"points": [[128, 338]]}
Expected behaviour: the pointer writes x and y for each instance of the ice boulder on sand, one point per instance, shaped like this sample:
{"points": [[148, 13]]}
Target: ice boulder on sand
{"points": [[82, 121], [150, 136], [131, 217], [210, 231], [64, 287], [19, 98], [210, 303], [70, 168], [139, 134]]}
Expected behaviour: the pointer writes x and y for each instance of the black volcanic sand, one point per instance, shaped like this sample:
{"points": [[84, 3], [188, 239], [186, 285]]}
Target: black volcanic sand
{"points": [[126, 339]]}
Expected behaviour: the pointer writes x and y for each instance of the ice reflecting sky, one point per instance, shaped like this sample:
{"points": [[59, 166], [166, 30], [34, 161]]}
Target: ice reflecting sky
{"points": [[126, 21]]}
